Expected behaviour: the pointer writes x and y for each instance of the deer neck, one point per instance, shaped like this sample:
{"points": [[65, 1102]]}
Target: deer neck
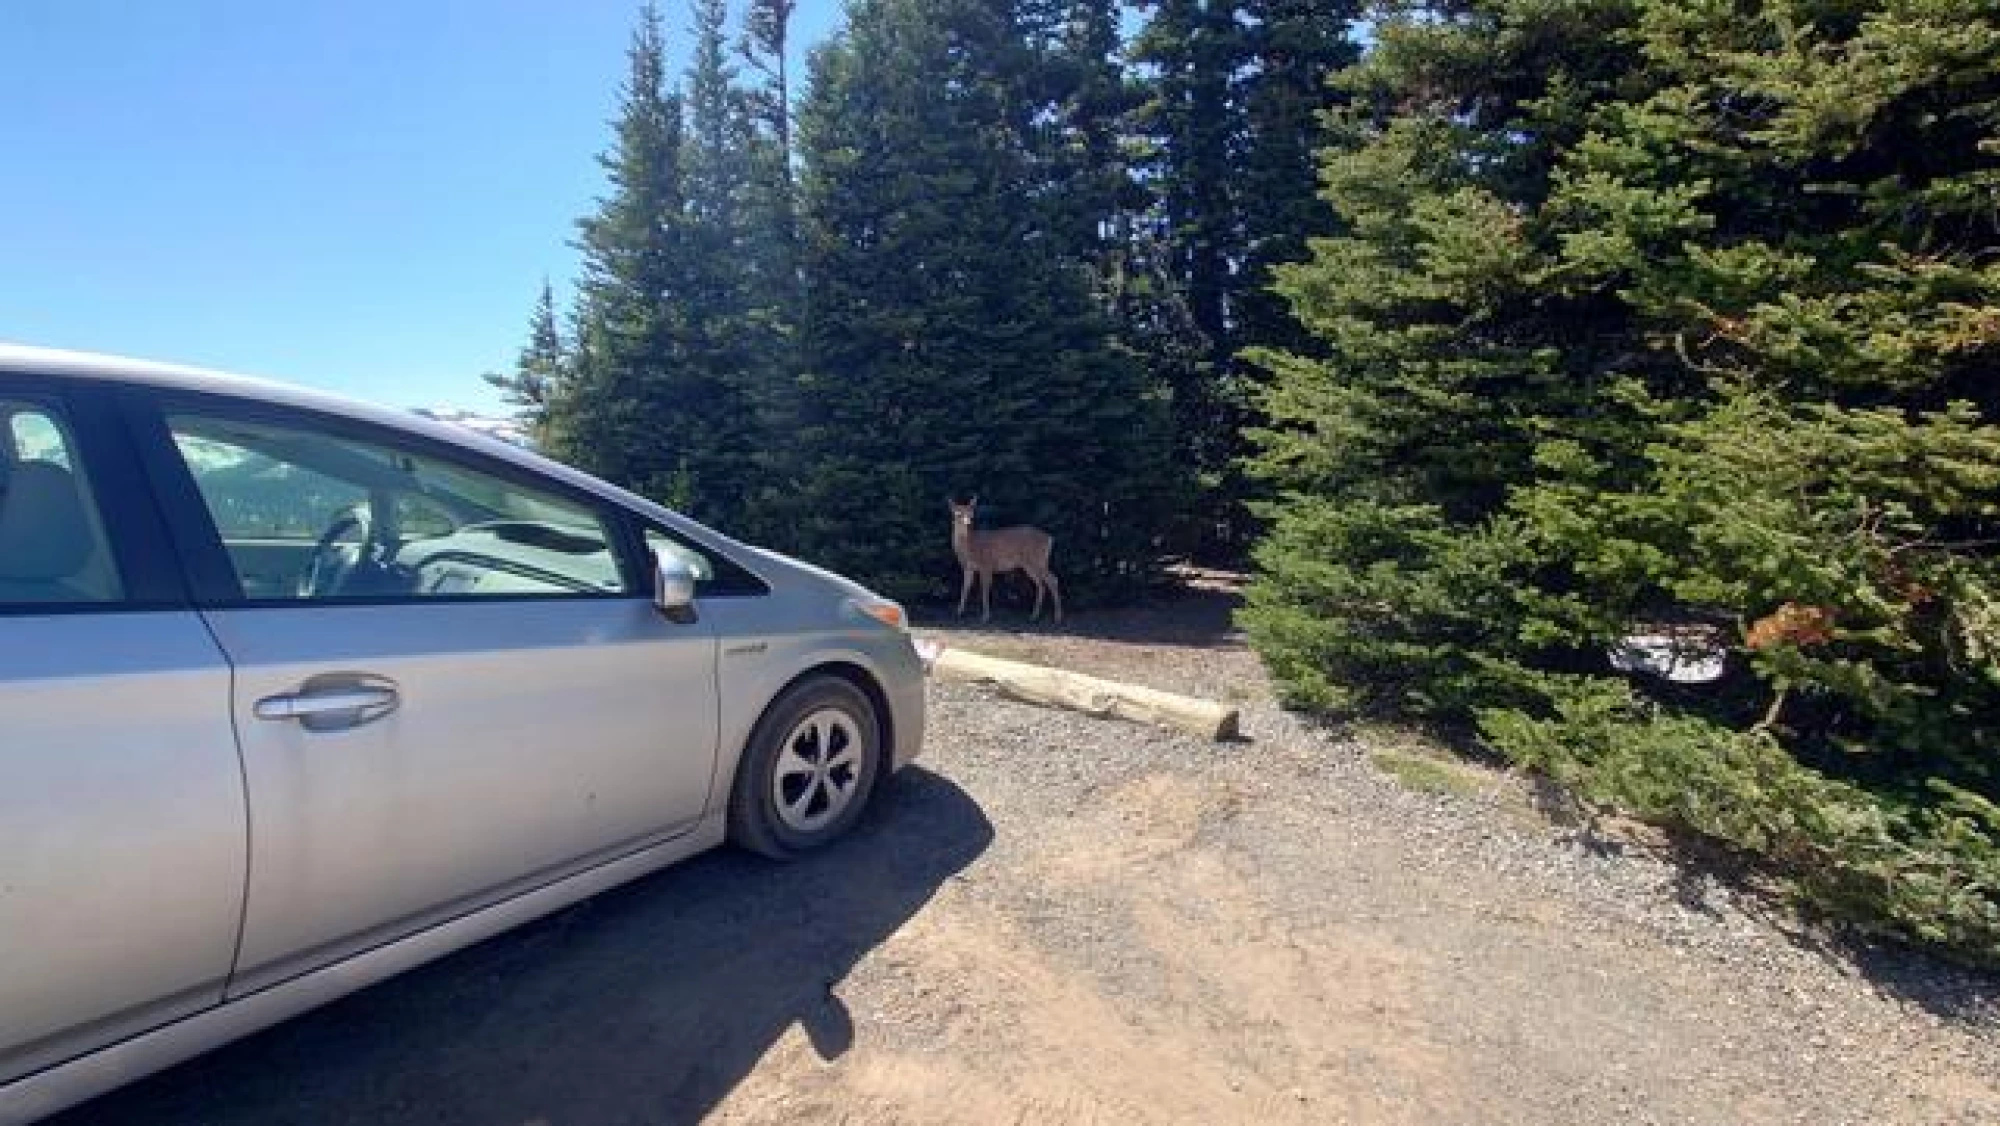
{"points": [[961, 541]]}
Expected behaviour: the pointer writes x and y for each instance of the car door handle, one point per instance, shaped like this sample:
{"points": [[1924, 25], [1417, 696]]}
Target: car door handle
{"points": [[328, 709]]}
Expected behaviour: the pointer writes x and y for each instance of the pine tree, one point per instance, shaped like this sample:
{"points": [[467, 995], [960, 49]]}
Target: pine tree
{"points": [[726, 346], [612, 419], [1407, 425], [764, 46], [748, 253], [1081, 105], [1670, 319], [1192, 50], [653, 403], [716, 149], [1187, 53], [1234, 93], [953, 348], [1294, 48], [767, 30], [543, 365], [1092, 189]]}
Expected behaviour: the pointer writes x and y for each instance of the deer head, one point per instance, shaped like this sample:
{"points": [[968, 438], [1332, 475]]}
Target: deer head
{"points": [[962, 514]]}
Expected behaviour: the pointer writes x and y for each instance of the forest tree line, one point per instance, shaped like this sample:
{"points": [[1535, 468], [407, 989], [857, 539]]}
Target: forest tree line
{"points": [[995, 249], [1497, 333]]}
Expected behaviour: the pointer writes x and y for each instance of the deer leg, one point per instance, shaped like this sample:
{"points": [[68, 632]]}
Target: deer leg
{"points": [[965, 591], [1035, 615], [1055, 591], [986, 596]]}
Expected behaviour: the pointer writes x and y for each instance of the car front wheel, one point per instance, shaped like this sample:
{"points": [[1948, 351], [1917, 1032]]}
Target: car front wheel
{"points": [[808, 769]]}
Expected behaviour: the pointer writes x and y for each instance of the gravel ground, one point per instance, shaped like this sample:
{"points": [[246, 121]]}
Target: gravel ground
{"points": [[1060, 919]]}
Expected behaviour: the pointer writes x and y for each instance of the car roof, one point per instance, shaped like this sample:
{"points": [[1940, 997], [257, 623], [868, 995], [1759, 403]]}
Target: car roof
{"points": [[26, 359], [88, 366]]}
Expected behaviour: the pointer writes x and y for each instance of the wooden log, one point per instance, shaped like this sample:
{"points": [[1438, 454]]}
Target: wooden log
{"points": [[1107, 699]]}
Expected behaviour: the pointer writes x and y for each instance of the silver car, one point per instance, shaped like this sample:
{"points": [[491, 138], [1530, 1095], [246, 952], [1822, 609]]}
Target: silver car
{"points": [[296, 694]]}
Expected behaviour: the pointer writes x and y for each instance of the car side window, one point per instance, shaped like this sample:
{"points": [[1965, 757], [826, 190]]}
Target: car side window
{"points": [[53, 546], [306, 514]]}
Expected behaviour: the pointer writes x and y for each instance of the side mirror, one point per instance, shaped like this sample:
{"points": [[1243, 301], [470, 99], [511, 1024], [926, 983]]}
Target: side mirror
{"points": [[673, 588]]}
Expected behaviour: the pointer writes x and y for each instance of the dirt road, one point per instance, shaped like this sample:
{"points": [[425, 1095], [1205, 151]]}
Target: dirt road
{"points": [[1064, 920]]}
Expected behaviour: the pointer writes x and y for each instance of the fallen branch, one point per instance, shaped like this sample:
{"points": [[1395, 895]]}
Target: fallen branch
{"points": [[1106, 699]]}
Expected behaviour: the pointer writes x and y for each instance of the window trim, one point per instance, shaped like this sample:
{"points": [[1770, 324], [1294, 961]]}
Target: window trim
{"points": [[135, 530], [204, 553]]}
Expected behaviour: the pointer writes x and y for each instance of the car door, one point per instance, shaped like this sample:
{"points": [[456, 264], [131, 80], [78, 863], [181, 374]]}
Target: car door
{"points": [[457, 689], [122, 817]]}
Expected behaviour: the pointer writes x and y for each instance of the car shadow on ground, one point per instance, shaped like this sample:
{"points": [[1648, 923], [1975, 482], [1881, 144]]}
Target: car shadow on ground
{"points": [[647, 1004]]}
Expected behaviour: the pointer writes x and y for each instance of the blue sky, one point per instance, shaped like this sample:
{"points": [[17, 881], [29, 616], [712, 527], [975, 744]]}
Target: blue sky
{"points": [[361, 195]]}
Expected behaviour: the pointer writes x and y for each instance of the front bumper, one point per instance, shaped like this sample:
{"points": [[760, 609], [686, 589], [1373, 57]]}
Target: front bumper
{"points": [[907, 704]]}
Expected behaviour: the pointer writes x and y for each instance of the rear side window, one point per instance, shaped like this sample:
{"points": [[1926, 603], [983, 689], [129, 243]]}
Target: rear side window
{"points": [[53, 546]]}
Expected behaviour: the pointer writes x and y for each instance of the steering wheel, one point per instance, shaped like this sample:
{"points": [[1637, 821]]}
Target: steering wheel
{"points": [[332, 562]]}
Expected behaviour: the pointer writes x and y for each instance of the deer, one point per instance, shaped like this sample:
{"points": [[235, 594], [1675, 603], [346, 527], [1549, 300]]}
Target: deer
{"points": [[984, 554]]}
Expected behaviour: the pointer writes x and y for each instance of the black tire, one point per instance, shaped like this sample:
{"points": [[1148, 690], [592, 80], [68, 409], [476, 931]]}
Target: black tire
{"points": [[759, 819]]}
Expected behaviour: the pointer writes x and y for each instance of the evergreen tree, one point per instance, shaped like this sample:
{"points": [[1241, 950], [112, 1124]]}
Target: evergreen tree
{"points": [[651, 404], [1100, 212], [953, 347], [1188, 52], [767, 31], [1294, 48], [1234, 90], [727, 350], [1192, 51], [773, 198], [717, 150], [1092, 191], [682, 304], [543, 365], [1674, 319], [753, 264]]}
